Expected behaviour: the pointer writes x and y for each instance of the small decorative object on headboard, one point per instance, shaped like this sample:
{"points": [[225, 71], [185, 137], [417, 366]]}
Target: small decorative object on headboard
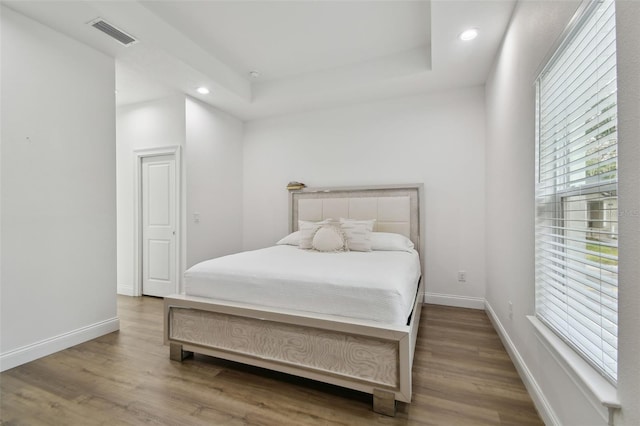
{"points": [[293, 185]]}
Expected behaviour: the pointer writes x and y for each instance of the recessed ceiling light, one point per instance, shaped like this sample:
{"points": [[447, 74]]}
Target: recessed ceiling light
{"points": [[469, 34], [254, 74], [203, 90]]}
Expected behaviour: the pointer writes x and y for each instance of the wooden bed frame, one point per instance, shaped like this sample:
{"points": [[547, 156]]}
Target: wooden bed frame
{"points": [[357, 354]]}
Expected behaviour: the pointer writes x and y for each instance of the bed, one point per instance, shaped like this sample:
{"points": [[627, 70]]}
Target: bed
{"points": [[363, 340]]}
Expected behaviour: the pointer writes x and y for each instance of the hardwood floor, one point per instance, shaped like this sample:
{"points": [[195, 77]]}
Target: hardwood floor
{"points": [[461, 376]]}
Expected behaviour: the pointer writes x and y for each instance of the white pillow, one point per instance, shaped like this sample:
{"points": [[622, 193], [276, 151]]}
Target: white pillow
{"points": [[293, 239], [358, 233], [390, 241], [307, 229], [328, 238]]}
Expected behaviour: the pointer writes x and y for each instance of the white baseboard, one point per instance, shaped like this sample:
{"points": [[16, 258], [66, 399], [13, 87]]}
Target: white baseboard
{"points": [[454, 300], [540, 401], [46, 347], [125, 290]]}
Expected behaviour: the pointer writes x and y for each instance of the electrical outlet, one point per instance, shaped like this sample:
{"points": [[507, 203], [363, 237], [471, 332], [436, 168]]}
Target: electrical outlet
{"points": [[196, 217], [462, 276], [510, 310]]}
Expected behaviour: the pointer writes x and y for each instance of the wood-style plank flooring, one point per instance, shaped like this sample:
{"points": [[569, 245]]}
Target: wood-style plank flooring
{"points": [[461, 376]]}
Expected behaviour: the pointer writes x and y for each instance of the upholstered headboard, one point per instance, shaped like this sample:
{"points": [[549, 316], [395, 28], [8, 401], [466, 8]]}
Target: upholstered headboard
{"points": [[396, 208]]}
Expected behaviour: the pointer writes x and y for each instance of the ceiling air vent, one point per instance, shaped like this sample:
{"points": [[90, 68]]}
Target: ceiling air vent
{"points": [[113, 32]]}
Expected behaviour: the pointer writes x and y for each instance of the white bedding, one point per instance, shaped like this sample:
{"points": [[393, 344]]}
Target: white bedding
{"points": [[377, 285]]}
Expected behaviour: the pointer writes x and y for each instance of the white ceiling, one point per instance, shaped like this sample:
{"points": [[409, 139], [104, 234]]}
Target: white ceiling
{"points": [[283, 39], [309, 54]]}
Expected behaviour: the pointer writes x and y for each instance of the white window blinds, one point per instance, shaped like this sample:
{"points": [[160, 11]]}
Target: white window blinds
{"points": [[576, 191]]}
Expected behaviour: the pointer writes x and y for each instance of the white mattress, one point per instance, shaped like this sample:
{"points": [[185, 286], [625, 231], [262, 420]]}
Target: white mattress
{"points": [[377, 285]]}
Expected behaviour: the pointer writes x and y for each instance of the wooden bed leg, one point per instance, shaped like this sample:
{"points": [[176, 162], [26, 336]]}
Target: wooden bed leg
{"points": [[176, 353], [384, 402]]}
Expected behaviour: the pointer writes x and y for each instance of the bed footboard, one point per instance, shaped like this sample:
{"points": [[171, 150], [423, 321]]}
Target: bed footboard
{"points": [[360, 355], [354, 357]]}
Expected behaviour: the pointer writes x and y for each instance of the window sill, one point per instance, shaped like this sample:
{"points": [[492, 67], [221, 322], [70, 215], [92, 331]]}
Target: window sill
{"points": [[583, 374]]}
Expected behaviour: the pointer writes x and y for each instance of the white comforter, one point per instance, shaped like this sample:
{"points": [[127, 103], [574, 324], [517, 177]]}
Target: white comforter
{"points": [[376, 285]]}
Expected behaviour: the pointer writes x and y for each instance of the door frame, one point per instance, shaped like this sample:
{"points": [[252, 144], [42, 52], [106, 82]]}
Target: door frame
{"points": [[139, 154]]}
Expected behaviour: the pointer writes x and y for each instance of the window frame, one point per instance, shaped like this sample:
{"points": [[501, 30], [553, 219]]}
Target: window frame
{"points": [[582, 17]]}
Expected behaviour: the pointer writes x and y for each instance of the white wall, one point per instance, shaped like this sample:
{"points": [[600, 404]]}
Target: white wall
{"points": [[214, 182], [153, 124], [58, 192], [628, 34], [436, 139], [510, 103]]}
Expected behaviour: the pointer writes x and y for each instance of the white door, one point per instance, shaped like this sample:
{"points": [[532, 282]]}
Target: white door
{"points": [[159, 225]]}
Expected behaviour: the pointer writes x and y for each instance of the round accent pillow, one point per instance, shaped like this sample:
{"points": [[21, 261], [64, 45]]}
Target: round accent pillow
{"points": [[328, 238]]}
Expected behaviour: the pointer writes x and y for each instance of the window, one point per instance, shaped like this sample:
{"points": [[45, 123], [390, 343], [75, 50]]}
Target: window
{"points": [[576, 190]]}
